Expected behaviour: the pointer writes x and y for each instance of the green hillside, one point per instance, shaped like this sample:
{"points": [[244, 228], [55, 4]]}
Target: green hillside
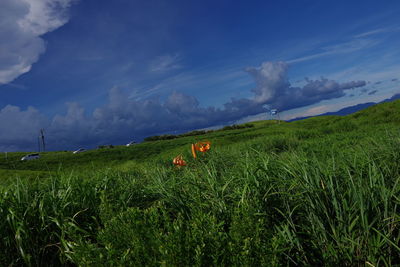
{"points": [[276, 136], [320, 191]]}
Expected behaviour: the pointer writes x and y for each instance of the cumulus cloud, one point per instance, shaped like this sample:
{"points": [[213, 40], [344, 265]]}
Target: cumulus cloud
{"points": [[120, 120], [123, 118], [273, 88], [22, 23], [20, 128], [271, 80]]}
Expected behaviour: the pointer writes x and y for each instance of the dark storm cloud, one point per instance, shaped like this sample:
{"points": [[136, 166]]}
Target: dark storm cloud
{"points": [[123, 119]]}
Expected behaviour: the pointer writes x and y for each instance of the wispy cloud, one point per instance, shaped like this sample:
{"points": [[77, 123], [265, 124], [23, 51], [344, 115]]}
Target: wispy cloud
{"points": [[196, 79], [341, 48], [168, 84], [165, 63], [374, 72], [377, 31]]}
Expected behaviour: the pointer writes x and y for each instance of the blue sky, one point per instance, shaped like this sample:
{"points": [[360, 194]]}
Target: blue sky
{"points": [[93, 72]]}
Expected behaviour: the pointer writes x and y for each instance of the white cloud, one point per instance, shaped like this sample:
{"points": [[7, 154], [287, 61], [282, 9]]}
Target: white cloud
{"points": [[271, 79], [22, 23], [377, 31], [165, 63], [341, 48], [273, 88], [375, 71], [223, 82]]}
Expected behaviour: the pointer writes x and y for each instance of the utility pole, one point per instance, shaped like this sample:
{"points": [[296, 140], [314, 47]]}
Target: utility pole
{"points": [[42, 139]]}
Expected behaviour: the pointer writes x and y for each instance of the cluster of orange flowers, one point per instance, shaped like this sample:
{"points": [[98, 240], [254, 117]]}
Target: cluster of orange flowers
{"points": [[200, 146], [178, 161]]}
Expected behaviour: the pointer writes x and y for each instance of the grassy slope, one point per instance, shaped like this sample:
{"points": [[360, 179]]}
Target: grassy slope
{"points": [[318, 191], [314, 130]]}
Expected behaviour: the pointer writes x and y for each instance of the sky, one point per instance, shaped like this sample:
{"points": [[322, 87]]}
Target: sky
{"points": [[96, 72]]}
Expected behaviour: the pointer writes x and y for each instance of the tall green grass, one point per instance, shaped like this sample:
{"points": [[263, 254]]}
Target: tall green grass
{"points": [[262, 202], [323, 191]]}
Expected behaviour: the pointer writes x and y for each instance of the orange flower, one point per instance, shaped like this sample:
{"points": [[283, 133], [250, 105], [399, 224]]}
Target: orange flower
{"points": [[200, 146], [178, 161], [194, 151]]}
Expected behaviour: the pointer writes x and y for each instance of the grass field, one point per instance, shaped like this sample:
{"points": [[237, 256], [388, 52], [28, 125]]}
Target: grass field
{"points": [[322, 191]]}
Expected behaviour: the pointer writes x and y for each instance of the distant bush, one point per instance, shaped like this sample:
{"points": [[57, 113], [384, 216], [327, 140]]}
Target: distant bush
{"points": [[235, 126], [160, 137], [193, 133], [196, 132], [105, 146], [170, 136]]}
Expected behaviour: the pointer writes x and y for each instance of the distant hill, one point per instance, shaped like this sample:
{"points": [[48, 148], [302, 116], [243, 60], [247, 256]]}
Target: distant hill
{"points": [[350, 109]]}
